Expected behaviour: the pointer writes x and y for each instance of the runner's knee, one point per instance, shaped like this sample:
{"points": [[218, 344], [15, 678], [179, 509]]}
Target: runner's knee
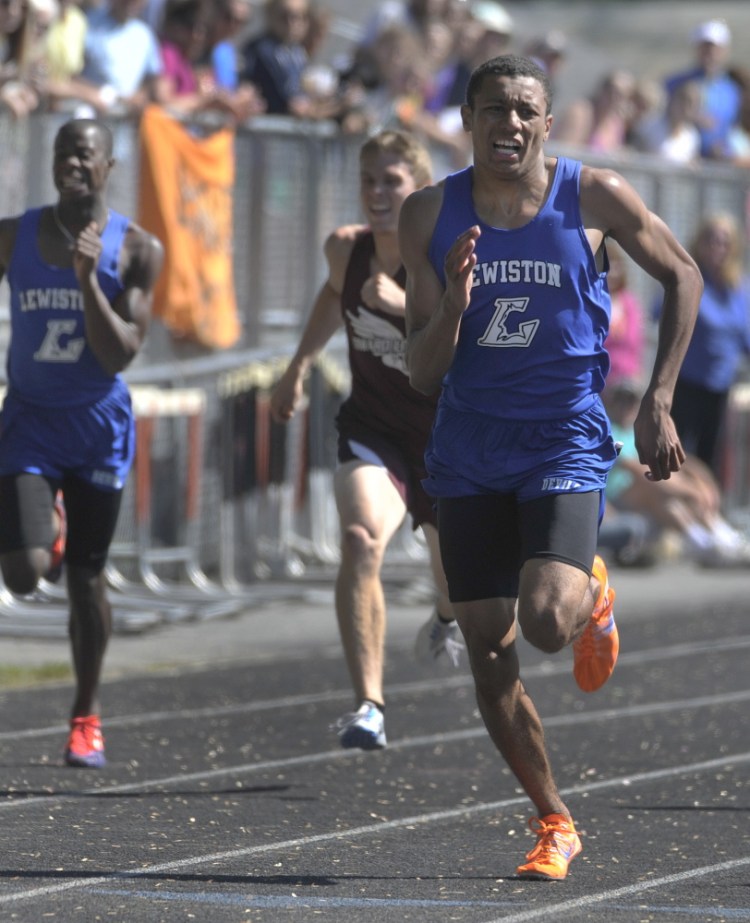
{"points": [[546, 628], [360, 546], [22, 570]]}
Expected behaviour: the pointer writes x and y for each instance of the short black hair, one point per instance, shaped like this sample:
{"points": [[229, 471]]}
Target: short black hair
{"points": [[74, 125], [509, 65]]}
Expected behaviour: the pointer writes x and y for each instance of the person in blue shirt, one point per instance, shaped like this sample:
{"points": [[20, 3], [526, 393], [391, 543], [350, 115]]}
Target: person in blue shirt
{"points": [[278, 64], [720, 95], [81, 278], [276, 59], [507, 311], [122, 56], [720, 341], [228, 20]]}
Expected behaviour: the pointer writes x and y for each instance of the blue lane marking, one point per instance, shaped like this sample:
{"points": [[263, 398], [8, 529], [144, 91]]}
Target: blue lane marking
{"points": [[703, 913], [292, 902]]}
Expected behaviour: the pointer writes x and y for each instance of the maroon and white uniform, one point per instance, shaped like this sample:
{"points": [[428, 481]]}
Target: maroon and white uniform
{"points": [[384, 420]]}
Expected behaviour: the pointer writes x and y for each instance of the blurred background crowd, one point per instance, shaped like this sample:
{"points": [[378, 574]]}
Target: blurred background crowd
{"points": [[406, 63]]}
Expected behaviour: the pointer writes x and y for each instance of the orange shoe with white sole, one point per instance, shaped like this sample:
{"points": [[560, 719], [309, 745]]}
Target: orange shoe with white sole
{"points": [[556, 846], [595, 652]]}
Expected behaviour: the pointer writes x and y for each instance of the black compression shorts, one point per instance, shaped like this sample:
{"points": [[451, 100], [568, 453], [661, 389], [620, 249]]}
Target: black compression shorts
{"points": [[26, 517], [485, 539]]}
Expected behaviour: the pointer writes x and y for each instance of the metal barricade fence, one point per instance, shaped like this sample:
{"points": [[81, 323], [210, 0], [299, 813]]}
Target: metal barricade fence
{"points": [[266, 507], [260, 471], [294, 184], [158, 533]]}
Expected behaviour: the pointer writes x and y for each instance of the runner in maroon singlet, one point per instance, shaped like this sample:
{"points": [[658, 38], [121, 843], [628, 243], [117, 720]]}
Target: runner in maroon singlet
{"points": [[383, 426]]}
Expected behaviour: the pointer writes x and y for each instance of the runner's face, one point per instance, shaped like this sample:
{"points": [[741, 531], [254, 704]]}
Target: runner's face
{"points": [[81, 164], [385, 182], [508, 123]]}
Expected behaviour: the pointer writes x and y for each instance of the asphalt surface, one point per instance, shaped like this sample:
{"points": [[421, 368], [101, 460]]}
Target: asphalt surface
{"points": [[226, 797]]}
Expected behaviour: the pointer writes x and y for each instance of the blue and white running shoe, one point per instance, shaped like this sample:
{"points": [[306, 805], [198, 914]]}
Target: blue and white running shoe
{"points": [[363, 729], [440, 642]]}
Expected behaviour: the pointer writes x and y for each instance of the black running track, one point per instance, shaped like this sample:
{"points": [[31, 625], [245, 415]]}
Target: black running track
{"points": [[226, 797]]}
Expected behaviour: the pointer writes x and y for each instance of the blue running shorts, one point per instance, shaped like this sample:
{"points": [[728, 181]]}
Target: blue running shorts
{"points": [[93, 442], [472, 453]]}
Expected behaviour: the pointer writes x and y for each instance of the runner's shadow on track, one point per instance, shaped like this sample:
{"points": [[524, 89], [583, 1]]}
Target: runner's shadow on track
{"points": [[294, 880], [73, 874]]}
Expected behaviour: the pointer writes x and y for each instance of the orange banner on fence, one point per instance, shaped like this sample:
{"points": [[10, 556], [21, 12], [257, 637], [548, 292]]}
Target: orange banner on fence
{"points": [[185, 199]]}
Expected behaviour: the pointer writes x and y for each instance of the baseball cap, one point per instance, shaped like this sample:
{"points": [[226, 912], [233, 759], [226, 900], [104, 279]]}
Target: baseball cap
{"points": [[551, 43], [714, 31], [493, 16]]}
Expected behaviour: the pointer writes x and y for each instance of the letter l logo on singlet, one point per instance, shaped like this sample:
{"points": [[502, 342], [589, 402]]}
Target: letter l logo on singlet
{"points": [[497, 333], [53, 349]]}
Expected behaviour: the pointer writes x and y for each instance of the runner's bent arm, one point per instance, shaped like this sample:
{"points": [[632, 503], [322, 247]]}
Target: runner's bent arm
{"points": [[610, 205], [324, 320], [433, 313], [115, 332]]}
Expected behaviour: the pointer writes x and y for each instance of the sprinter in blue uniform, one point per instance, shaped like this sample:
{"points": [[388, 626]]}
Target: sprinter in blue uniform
{"points": [[508, 310], [81, 279]]}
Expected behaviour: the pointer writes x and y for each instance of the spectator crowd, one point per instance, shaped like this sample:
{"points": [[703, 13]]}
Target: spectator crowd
{"points": [[408, 69]]}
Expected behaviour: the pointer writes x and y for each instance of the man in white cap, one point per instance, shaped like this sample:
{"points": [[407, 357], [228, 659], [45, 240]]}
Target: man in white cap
{"points": [[415, 15], [496, 29], [720, 95], [548, 51], [487, 32]]}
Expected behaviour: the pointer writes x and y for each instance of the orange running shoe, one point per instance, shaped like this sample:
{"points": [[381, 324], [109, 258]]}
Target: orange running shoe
{"points": [[556, 846], [595, 652], [85, 744], [57, 552]]}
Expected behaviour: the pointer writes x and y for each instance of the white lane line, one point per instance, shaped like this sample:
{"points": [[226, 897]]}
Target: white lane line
{"points": [[407, 743], [414, 820], [439, 684], [554, 911]]}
